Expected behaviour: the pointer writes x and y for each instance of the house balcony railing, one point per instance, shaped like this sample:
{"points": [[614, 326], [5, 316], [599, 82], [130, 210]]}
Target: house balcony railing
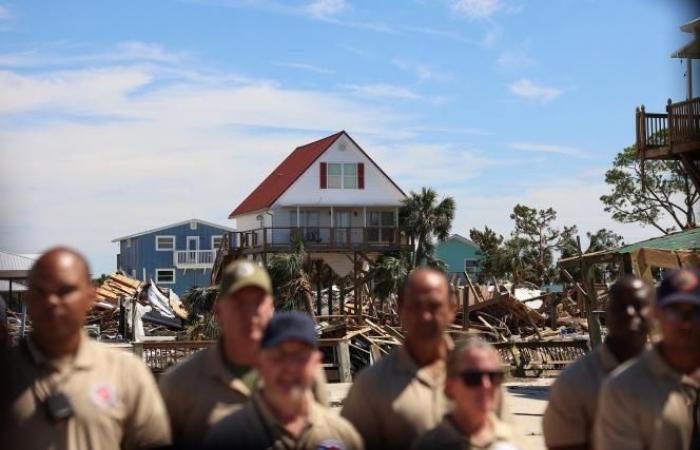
{"points": [[666, 136], [194, 259], [322, 239]]}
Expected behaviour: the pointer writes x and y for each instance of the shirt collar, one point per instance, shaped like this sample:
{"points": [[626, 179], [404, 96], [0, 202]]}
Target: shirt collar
{"points": [[658, 366], [405, 363], [217, 368], [499, 431], [82, 359], [313, 416]]}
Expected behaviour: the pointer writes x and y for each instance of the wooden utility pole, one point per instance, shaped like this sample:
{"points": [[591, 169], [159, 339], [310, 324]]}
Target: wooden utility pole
{"points": [[588, 279]]}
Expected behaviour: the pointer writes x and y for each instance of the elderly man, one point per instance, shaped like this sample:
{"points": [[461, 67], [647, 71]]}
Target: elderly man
{"points": [[223, 375], [401, 396], [283, 414], [60, 389], [570, 414], [652, 402], [474, 377]]}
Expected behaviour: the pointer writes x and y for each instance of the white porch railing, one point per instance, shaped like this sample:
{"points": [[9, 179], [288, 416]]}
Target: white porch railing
{"points": [[194, 259]]}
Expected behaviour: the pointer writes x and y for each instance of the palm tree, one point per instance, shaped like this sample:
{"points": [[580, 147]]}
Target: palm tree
{"points": [[201, 323], [425, 217], [291, 274]]}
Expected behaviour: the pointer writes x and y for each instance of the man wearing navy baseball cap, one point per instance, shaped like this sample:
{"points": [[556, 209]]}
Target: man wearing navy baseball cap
{"points": [[283, 412], [653, 401]]}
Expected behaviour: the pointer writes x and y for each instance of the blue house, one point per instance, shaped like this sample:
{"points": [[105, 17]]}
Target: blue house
{"points": [[461, 255], [177, 256]]}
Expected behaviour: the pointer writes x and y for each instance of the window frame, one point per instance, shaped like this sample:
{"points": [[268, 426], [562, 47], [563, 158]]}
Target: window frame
{"points": [[340, 178], [160, 249], [215, 236], [156, 275]]}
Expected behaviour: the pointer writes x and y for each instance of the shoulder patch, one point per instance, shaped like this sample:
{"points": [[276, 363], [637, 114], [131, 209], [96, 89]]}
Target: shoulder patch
{"points": [[331, 444]]}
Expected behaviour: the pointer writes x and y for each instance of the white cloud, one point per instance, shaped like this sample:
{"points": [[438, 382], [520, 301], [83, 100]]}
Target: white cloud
{"points": [[382, 90], [326, 8], [549, 148], [5, 13], [515, 59], [63, 55], [423, 72], [586, 212], [476, 9], [533, 91], [304, 66]]}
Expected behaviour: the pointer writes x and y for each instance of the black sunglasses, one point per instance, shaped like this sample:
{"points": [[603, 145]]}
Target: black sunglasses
{"points": [[473, 378]]}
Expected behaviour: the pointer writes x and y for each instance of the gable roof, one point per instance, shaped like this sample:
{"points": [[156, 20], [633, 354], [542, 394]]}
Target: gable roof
{"points": [[462, 239], [184, 222], [289, 170], [13, 265]]}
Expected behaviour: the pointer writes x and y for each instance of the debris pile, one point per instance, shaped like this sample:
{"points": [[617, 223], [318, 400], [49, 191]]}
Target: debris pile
{"points": [[129, 309]]}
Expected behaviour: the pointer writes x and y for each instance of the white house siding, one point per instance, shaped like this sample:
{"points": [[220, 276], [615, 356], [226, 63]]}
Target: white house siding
{"points": [[306, 190]]}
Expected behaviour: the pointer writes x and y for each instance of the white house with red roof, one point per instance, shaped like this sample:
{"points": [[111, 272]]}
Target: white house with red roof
{"points": [[329, 193]]}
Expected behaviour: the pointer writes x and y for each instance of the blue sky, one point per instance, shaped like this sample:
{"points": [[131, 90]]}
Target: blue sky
{"points": [[123, 116]]}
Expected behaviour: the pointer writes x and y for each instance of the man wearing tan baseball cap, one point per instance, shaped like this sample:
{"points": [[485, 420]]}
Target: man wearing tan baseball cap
{"points": [[223, 375]]}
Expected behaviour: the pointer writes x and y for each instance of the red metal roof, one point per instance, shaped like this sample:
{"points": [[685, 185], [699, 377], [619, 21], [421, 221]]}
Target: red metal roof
{"points": [[284, 175], [289, 171]]}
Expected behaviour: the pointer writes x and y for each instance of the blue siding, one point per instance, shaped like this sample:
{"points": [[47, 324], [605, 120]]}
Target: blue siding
{"points": [[454, 251], [141, 254]]}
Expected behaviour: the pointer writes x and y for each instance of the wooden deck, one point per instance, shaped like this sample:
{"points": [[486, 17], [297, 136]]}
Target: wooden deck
{"points": [[674, 135]]}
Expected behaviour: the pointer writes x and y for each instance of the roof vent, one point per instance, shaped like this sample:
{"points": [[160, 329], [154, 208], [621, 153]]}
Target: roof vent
{"points": [[342, 146]]}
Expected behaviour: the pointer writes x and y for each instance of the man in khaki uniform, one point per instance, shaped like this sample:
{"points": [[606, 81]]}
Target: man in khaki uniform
{"points": [[214, 382], [283, 414], [474, 377], [570, 414], [651, 403], [62, 390], [402, 395]]}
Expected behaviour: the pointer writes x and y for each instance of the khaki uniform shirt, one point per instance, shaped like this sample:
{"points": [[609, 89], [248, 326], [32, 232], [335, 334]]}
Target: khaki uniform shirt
{"points": [[645, 404], [446, 436], [573, 398], [392, 402], [114, 398], [201, 390], [254, 426]]}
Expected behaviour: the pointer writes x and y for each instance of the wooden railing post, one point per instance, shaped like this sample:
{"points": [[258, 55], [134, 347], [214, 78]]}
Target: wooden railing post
{"points": [[344, 365], [671, 123]]}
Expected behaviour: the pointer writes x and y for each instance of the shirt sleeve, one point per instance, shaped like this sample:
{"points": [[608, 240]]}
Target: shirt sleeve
{"points": [[361, 413], [565, 421], [168, 391], [147, 423], [616, 424]]}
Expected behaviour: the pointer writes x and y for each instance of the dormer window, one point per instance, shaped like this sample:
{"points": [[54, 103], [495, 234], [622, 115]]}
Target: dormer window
{"points": [[342, 175]]}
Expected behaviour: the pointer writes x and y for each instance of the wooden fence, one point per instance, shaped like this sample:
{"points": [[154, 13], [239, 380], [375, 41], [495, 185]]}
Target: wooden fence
{"points": [[521, 357]]}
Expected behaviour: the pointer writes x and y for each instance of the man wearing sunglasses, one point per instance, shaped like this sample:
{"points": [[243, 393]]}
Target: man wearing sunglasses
{"points": [[570, 414], [474, 377], [652, 402]]}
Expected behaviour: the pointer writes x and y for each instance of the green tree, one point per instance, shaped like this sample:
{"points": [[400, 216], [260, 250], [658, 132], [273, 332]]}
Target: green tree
{"points": [[665, 193], [425, 218], [491, 253], [603, 239], [291, 274], [201, 323]]}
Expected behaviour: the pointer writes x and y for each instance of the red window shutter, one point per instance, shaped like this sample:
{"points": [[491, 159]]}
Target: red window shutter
{"points": [[360, 175], [323, 175]]}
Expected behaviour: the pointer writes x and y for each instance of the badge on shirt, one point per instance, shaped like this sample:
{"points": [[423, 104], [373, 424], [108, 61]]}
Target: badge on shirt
{"points": [[331, 444], [104, 395]]}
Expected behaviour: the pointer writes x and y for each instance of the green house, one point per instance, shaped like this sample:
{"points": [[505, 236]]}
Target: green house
{"points": [[460, 254]]}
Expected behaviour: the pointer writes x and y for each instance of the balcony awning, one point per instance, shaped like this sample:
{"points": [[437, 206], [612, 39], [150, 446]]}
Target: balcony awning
{"points": [[690, 50]]}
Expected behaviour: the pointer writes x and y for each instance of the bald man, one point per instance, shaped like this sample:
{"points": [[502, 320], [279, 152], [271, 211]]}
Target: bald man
{"points": [[60, 389], [392, 402], [573, 399]]}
